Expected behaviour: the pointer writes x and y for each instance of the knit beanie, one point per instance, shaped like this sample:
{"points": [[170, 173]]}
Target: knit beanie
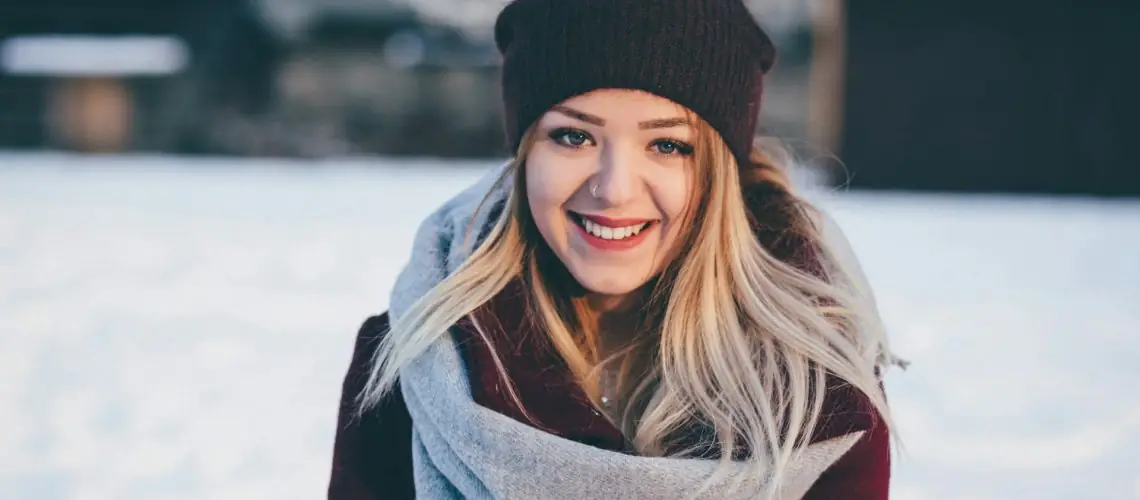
{"points": [[707, 55]]}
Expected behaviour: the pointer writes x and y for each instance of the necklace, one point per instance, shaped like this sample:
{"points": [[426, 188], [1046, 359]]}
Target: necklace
{"points": [[606, 380]]}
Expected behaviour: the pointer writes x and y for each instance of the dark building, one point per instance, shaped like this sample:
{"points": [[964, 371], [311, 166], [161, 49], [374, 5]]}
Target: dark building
{"points": [[227, 58], [964, 95]]}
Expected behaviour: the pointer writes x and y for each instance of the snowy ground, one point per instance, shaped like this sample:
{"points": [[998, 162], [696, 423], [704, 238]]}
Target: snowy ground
{"points": [[178, 330]]}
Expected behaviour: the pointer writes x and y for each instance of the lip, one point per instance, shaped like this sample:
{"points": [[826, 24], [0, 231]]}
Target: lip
{"points": [[606, 221], [613, 245]]}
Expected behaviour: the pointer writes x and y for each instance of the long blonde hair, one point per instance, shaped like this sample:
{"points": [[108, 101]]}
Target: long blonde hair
{"points": [[738, 334]]}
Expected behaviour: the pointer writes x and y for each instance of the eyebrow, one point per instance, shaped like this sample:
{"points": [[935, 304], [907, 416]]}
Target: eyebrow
{"points": [[663, 123], [645, 125]]}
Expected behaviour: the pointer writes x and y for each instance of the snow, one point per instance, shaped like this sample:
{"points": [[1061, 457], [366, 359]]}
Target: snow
{"points": [[177, 329]]}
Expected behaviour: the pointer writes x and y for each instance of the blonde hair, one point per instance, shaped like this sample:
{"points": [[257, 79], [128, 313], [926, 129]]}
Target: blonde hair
{"points": [[739, 334]]}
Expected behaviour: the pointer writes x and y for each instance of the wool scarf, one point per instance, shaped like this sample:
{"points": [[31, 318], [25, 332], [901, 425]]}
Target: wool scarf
{"points": [[462, 450]]}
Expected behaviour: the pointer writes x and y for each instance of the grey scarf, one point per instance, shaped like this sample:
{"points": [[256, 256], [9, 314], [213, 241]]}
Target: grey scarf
{"points": [[464, 451]]}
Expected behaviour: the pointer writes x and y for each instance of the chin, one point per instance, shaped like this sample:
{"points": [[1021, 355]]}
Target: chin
{"points": [[605, 282]]}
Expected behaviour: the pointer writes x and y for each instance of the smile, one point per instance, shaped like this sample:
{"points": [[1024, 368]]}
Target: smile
{"points": [[611, 234]]}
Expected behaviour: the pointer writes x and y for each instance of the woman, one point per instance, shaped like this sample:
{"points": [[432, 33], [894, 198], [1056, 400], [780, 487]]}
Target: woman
{"points": [[637, 307]]}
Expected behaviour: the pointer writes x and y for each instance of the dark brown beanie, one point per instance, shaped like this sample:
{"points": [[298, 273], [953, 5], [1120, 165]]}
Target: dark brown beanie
{"points": [[707, 55]]}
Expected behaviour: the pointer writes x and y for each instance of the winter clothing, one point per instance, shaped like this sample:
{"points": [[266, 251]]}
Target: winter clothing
{"points": [[708, 55], [450, 431], [470, 441]]}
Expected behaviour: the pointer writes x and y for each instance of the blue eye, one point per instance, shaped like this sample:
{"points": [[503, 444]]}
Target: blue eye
{"points": [[669, 147], [571, 138]]}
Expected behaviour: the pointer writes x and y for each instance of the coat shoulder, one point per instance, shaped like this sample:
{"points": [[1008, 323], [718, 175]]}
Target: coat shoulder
{"points": [[372, 456], [374, 327], [368, 338], [850, 422]]}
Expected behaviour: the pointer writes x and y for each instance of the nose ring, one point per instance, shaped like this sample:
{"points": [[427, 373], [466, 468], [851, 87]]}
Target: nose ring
{"points": [[594, 190]]}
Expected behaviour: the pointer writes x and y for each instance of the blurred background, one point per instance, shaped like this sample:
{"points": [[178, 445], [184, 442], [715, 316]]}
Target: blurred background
{"points": [[200, 201]]}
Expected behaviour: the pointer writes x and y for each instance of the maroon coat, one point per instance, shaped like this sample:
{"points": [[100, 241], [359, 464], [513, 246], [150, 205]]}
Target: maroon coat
{"points": [[372, 456]]}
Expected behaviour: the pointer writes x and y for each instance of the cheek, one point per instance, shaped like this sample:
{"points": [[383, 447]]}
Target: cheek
{"points": [[549, 186], [675, 193], [672, 192]]}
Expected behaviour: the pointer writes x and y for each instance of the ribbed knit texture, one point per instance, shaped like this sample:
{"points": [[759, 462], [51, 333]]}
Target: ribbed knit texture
{"points": [[707, 55]]}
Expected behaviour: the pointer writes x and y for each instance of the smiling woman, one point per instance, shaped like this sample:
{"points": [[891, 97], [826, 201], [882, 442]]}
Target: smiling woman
{"points": [[608, 180], [647, 303]]}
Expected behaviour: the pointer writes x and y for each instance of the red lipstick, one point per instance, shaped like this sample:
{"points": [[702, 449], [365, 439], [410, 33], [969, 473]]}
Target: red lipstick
{"points": [[611, 245]]}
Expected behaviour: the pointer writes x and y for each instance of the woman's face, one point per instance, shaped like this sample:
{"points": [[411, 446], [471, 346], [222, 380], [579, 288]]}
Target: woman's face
{"points": [[608, 179]]}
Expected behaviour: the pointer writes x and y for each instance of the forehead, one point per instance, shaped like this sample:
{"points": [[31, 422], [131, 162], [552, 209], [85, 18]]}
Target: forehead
{"points": [[625, 108]]}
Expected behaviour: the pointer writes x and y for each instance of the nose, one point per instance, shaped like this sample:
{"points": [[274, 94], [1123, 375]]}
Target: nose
{"points": [[616, 178]]}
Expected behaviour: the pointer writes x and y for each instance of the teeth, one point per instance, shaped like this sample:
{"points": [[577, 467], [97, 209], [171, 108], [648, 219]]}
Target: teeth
{"points": [[612, 233]]}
